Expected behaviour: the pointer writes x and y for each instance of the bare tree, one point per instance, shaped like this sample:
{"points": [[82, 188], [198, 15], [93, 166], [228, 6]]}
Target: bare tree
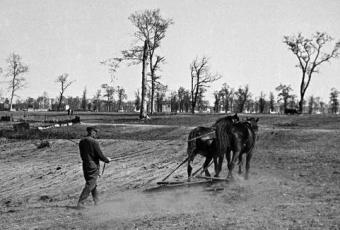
{"points": [[218, 96], [160, 96], [200, 79], [96, 99], [284, 94], [154, 77], [151, 29], [113, 65], [64, 84], [311, 104], [143, 107], [310, 55], [271, 102], [243, 96], [84, 100], [15, 70], [334, 101], [228, 95], [109, 91], [262, 102], [121, 96]]}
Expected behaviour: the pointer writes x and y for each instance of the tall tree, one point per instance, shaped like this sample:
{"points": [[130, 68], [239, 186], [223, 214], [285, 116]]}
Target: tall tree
{"points": [[181, 95], [108, 93], [243, 95], [217, 95], [310, 55], [160, 96], [84, 100], [334, 101], [228, 95], [64, 84], [284, 94], [262, 102], [174, 103], [151, 28], [271, 102], [121, 96], [143, 109], [15, 71], [200, 79], [96, 100], [311, 104]]}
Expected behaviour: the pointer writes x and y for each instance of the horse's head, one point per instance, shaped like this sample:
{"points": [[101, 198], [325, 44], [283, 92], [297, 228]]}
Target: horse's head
{"points": [[234, 118], [228, 120], [252, 121]]}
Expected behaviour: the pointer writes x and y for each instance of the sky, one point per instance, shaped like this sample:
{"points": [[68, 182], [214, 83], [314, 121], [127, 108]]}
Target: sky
{"points": [[243, 40]]}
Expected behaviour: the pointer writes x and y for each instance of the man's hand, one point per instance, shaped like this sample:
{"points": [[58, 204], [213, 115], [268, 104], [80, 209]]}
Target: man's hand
{"points": [[109, 159]]}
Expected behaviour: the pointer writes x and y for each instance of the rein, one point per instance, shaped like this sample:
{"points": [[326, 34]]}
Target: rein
{"points": [[206, 134]]}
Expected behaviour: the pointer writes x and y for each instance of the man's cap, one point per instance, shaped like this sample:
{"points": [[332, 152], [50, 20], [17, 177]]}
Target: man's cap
{"points": [[92, 128]]}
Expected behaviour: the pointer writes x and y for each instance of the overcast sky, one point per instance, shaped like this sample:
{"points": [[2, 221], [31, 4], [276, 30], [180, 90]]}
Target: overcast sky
{"points": [[242, 38]]}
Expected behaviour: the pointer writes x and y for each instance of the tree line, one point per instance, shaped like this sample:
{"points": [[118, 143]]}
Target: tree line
{"points": [[150, 30]]}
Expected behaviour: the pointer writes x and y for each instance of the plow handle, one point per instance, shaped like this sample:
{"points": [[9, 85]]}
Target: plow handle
{"points": [[175, 169]]}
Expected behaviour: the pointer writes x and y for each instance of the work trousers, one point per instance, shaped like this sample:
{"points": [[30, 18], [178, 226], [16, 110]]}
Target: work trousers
{"points": [[90, 187]]}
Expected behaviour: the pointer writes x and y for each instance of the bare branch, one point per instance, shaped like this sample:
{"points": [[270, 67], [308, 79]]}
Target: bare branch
{"points": [[310, 55]]}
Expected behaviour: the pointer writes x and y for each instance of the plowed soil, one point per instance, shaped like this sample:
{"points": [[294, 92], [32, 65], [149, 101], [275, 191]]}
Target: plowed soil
{"points": [[294, 180]]}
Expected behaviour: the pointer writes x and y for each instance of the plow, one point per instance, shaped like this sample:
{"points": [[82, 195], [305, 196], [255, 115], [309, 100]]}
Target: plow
{"points": [[195, 179]]}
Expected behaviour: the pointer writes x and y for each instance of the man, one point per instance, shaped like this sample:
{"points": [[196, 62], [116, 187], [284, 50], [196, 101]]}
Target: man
{"points": [[91, 155]]}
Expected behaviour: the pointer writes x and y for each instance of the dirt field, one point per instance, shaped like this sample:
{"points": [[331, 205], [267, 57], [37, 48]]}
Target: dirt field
{"points": [[294, 180]]}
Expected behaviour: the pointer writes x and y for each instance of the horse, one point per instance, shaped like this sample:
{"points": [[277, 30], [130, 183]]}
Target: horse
{"points": [[242, 138], [222, 127], [201, 140]]}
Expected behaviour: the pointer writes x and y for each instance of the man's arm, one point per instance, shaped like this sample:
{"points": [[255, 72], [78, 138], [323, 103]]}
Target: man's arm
{"points": [[99, 153]]}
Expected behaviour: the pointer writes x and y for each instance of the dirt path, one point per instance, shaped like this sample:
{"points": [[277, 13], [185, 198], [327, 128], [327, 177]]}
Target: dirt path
{"points": [[291, 186]]}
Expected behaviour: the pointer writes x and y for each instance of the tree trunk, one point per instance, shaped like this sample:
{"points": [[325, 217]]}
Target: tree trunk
{"points": [[11, 104], [152, 72], [193, 101], [301, 103], [152, 94], [143, 111], [60, 99]]}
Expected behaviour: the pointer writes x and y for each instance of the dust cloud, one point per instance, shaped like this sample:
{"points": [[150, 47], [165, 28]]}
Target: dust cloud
{"points": [[181, 199]]}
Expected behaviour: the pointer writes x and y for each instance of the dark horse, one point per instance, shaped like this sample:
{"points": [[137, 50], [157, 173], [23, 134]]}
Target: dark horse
{"points": [[242, 138], [222, 128], [201, 141]]}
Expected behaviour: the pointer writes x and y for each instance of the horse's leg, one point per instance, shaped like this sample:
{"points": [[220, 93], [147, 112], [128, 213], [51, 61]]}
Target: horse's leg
{"points": [[228, 156], [249, 155], [240, 163], [189, 169], [205, 165], [231, 165], [215, 164], [219, 166]]}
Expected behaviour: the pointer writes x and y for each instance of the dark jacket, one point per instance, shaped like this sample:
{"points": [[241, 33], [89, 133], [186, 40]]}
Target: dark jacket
{"points": [[91, 155]]}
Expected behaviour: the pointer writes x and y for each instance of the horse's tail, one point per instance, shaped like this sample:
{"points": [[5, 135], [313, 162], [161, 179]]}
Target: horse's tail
{"points": [[191, 144], [222, 136]]}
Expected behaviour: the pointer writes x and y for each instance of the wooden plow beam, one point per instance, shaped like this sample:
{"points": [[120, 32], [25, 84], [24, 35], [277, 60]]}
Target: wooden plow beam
{"points": [[202, 179]]}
